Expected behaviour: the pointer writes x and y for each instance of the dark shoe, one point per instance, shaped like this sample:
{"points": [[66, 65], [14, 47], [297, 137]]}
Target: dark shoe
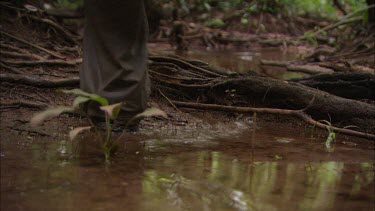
{"points": [[97, 117]]}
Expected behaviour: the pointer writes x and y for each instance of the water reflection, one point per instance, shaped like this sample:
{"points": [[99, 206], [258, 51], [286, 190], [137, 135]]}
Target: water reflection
{"points": [[220, 182], [228, 173]]}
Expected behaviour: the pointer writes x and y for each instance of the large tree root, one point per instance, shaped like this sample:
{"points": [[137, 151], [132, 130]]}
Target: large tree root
{"points": [[300, 114], [347, 85], [258, 91]]}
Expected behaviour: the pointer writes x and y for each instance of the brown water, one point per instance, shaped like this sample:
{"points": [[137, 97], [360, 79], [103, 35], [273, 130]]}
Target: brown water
{"points": [[226, 166], [245, 61]]}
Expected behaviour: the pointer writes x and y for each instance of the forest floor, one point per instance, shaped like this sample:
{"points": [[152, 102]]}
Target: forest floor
{"points": [[38, 46]]}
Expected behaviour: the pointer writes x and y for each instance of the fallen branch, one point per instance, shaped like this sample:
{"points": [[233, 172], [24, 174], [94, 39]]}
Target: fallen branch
{"points": [[308, 69], [350, 18], [38, 82], [296, 113]]}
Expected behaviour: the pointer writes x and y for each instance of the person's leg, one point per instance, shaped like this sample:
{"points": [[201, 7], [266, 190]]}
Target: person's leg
{"points": [[115, 54]]}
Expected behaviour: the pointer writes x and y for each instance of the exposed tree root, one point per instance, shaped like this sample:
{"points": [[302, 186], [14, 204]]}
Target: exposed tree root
{"points": [[266, 92], [184, 64], [38, 82], [22, 103], [12, 69], [348, 85], [68, 35], [33, 45], [176, 83], [258, 91], [300, 114], [22, 52], [44, 62]]}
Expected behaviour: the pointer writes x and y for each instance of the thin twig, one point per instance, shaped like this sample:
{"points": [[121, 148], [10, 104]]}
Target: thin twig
{"points": [[296, 113], [172, 104]]}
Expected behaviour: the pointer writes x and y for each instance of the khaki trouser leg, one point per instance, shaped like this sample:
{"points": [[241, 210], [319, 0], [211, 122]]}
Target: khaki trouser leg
{"points": [[114, 52]]}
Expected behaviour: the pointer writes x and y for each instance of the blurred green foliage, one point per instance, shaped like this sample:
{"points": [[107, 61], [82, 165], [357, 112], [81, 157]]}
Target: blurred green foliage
{"points": [[216, 23], [310, 8]]}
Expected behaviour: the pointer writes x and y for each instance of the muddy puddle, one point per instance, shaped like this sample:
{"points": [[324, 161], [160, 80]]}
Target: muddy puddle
{"points": [[244, 61], [226, 166]]}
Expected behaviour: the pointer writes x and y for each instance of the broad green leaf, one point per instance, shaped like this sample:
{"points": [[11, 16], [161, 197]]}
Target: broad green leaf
{"points": [[79, 100], [73, 133], [49, 113], [101, 100], [76, 92], [112, 110]]}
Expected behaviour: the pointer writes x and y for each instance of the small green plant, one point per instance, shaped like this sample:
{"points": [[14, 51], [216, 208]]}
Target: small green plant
{"points": [[111, 112], [215, 23], [331, 135], [278, 157], [310, 37], [331, 138]]}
